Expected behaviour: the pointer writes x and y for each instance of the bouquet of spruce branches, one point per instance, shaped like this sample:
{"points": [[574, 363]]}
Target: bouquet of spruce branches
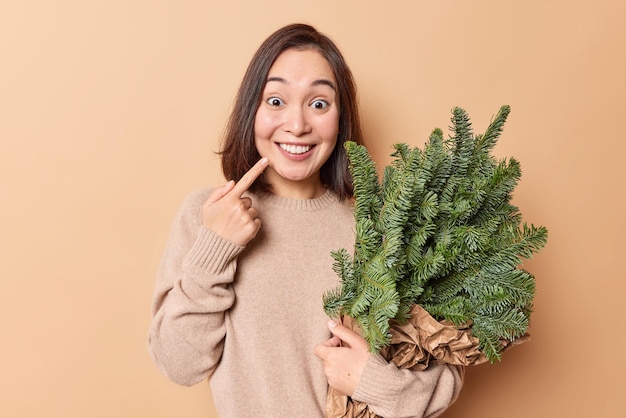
{"points": [[438, 249]]}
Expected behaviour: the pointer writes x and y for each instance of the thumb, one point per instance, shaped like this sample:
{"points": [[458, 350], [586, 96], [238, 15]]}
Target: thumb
{"points": [[345, 334]]}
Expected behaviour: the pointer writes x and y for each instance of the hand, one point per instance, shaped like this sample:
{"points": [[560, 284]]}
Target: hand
{"points": [[344, 357], [229, 214]]}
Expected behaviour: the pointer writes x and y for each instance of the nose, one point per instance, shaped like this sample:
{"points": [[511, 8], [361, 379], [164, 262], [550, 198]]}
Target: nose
{"points": [[296, 121]]}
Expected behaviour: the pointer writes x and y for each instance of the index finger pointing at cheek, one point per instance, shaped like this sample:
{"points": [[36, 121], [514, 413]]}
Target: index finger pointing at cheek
{"points": [[246, 181]]}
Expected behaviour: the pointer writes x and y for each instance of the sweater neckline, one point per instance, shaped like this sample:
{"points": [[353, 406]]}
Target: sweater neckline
{"points": [[272, 200]]}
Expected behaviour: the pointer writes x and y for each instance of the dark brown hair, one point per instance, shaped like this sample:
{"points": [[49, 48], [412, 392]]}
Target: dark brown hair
{"points": [[239, 152]]}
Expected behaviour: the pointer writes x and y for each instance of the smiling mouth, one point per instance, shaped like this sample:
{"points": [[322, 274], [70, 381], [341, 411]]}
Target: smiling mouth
{"points": [[296, 149]]}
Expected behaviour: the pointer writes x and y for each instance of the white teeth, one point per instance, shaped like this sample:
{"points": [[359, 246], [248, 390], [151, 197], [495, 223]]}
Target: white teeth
{"points": [[295, 149]]}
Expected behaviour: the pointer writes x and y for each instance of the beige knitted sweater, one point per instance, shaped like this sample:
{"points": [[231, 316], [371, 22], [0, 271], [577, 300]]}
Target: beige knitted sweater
{"points": [[249, 318]]}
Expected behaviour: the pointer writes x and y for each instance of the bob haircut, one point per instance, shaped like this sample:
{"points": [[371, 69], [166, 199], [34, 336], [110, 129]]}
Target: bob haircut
{"points": [[239, 152]]}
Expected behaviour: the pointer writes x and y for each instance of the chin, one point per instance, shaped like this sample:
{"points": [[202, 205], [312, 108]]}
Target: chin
{"points": [[295, 176]]}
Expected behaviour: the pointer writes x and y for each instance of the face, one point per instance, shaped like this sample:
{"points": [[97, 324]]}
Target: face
{"points": [[297, 122]]}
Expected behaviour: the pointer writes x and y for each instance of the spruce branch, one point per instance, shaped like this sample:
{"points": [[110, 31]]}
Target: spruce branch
{"points": [[439, 231]]}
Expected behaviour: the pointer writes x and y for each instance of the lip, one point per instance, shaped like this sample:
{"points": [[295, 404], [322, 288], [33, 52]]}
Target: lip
{"points": [[295, 157]]}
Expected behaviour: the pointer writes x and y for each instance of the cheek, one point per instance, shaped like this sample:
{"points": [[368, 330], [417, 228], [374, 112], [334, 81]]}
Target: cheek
{"points": [[329, 129], [262, 134], [264, 125]]}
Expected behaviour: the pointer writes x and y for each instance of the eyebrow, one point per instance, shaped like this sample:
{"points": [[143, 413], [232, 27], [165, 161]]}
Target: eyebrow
{"points": [[319, 82]]}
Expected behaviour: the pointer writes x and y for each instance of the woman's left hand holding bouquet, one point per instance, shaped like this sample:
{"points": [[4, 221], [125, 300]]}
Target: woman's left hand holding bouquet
{"points": [[344, 357]]}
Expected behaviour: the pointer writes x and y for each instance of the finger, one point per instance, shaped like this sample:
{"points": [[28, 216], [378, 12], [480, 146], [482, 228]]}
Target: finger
{"points": [[334, 342], [246, 202], [322, 349], [255, 221], [246, 181], [346, 335], [220, 192]]}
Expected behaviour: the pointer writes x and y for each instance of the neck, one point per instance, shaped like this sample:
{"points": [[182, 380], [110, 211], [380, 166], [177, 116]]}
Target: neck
{"points": [[302, 189]]}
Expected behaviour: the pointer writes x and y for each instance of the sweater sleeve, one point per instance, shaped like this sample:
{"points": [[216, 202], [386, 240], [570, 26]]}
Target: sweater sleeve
{"points": [[192, 293], [393, 393]]}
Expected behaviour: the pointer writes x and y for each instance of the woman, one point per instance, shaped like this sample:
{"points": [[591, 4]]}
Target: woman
{"points": [[238, 296]]}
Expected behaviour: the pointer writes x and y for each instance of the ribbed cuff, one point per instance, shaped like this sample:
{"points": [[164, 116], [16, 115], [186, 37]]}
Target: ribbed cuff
{"points": [[379, 381], [211, 252]]}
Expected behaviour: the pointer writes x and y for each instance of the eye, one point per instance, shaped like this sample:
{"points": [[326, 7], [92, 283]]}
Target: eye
{"points": [[275, 102], [319, 104]]}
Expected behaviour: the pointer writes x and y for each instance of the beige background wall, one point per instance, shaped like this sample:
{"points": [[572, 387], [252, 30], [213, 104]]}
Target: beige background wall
{"points": [[110, 112]]}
